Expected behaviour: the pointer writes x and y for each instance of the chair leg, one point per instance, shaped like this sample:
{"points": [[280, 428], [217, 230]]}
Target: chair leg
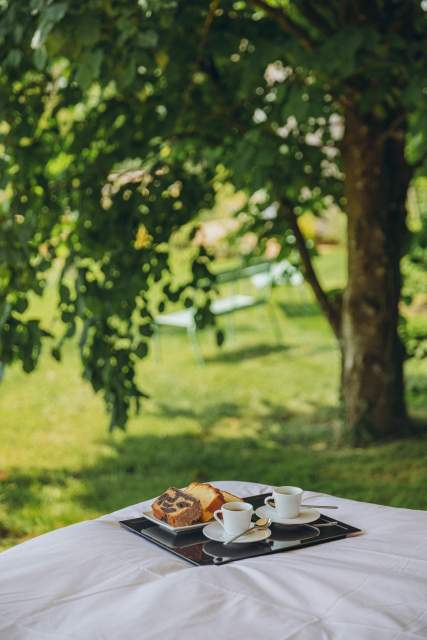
{"points": [[231, 328], [275, 322], [303, 296], [192, 333], [157, 344]]}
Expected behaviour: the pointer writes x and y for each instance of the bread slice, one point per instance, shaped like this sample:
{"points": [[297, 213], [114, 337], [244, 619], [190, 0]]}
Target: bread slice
{"points": [[178, 508], [210, 498], [228, 497]]}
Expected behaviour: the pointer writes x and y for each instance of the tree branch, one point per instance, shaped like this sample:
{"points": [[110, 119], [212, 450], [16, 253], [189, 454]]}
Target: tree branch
{"points": [[394, 127], [315, 18], [286, 23], [332, 311], [195, 133], [213, 7], [206, 27]]}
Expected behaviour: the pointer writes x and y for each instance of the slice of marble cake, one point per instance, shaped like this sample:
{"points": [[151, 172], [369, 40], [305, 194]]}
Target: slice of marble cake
{"points": [[177, 508]]}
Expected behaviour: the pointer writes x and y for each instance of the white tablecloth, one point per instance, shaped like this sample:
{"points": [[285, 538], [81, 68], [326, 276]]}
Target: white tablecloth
{"points": [[94, 581]]}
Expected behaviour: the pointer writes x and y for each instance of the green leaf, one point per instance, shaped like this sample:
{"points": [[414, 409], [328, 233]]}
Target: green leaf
{"points": [[67, 316], [220, 337], [21, 305], [40, 58], [40, 35], [64, 294], [28, 364], [13, 58], [141, 350], [56, 354], [338, 54], [36, 5], [416, 142], [18, 33], [55, 12], [89, 32], [89, 68], [148, 39], [146, 330]]}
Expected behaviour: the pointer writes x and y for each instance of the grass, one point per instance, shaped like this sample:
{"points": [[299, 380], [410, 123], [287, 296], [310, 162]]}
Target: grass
{"points": [[256, 411]]}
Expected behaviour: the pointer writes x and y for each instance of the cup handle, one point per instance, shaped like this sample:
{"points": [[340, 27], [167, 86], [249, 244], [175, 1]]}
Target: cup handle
{"points": [[268, 500], [217, 518]]}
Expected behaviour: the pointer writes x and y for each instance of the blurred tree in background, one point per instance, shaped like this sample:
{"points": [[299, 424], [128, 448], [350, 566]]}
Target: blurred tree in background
{"points": [[120, 120]]}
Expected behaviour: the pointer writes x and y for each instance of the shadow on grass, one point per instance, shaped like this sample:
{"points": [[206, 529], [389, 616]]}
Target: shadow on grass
{"points": [[231, 356], [140, 466], [143, 466], [23, 492], [300, 309], [207, 417], [273, 421], [137, 468]]}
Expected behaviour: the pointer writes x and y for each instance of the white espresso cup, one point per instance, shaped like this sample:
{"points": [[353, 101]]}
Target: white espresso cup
{"points": [[286, 501], [236, 517]]}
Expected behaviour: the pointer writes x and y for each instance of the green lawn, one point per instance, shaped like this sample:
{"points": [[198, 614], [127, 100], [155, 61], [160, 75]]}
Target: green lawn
{"points": [[256, 411]]}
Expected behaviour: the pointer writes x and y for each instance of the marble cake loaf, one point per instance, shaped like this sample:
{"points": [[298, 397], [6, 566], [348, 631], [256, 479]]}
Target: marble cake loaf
{"points": [[177, 508]]}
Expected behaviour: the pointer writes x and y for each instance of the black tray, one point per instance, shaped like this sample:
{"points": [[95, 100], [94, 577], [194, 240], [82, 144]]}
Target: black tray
{"points": [[194, 547]]}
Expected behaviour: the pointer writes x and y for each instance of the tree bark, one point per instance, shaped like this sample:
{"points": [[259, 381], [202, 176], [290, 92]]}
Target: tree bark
{"points": [[376, 183]]}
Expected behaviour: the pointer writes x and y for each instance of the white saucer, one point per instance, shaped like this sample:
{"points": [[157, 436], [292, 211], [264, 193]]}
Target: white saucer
{"points": [[164, 525], [305, 516], [214, 531]]}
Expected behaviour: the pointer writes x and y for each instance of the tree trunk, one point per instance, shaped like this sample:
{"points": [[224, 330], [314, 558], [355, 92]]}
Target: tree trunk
{"points": [[376, 183]]}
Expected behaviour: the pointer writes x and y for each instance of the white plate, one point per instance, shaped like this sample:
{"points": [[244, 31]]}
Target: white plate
{"points": [[214, 531], [190, 527], [305, 516]]}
